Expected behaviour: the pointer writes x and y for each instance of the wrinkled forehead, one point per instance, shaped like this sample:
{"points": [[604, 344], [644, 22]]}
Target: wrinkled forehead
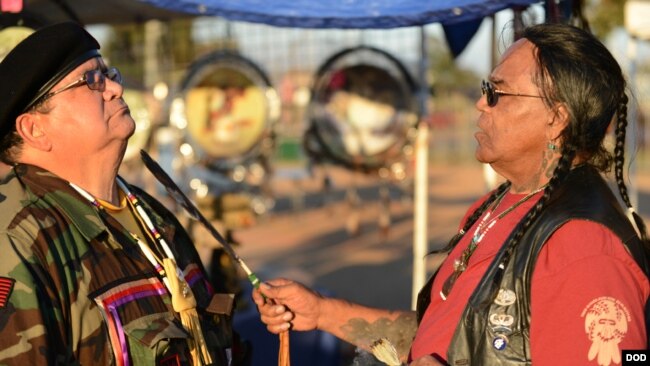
{"points": [[517, 65]]}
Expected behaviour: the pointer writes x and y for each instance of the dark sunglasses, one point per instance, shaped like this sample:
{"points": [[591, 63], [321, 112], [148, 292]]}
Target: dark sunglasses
{"points": [[492, 94], [94, 79]]}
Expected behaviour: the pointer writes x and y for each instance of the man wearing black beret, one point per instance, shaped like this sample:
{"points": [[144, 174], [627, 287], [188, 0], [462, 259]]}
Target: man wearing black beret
{"points": [[93, 271]]}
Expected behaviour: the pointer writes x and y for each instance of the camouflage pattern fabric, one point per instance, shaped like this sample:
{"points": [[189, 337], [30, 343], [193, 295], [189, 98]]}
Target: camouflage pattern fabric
{"points": [[78, 290]]}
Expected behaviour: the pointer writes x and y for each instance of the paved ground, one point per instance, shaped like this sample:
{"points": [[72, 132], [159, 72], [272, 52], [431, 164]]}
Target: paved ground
{"points": [[316, 243]]}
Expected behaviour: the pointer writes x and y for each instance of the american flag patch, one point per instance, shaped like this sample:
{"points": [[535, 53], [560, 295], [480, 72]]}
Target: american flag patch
{"points": [[6, 286]]}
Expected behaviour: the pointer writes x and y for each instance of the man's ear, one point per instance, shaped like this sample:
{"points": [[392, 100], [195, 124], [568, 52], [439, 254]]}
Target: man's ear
{"points": [[30, 128], [559, 121]]}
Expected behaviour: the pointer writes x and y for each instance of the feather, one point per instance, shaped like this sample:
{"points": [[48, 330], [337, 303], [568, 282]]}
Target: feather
{"points": [[385, 352]]}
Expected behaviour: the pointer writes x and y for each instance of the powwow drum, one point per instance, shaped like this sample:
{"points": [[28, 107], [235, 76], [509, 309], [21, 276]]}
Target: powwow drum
{"points": [[226, 109], [229, 108], [363, 110]]}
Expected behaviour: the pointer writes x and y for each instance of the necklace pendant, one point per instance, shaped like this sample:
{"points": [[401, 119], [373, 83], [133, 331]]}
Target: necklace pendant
{"points": [[459, 265]]}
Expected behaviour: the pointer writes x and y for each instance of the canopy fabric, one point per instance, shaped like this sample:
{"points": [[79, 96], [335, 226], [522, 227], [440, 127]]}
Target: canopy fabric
{"points": [[349, 14], [357, 14], [36, 13]]}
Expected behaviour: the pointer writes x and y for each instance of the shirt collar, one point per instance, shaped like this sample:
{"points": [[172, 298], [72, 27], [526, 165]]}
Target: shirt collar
{"points": [[57, 192]]}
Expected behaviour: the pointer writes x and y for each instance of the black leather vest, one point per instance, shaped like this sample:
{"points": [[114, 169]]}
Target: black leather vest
{"points": [[494, 327]]}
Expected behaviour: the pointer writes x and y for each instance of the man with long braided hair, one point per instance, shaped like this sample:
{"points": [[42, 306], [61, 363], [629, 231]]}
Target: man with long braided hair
{"points": [[545, 269]]}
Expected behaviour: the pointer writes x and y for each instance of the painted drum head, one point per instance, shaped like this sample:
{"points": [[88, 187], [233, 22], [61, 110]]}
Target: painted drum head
{"points": [[226, 108], [362, 110]]}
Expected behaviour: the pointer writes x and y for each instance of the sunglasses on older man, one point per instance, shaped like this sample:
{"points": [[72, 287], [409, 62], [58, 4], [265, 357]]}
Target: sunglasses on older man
{"points": [[94, 79], [492, 94]]}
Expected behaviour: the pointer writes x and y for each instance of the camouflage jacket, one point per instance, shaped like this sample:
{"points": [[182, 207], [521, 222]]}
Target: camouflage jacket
{"points": [[75, 289]]}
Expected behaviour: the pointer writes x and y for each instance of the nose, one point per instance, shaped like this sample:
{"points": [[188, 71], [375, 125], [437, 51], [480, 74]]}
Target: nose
{"points": [[113, 89], [481, 104]]}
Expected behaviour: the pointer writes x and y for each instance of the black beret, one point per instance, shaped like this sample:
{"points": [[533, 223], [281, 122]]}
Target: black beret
{"points": [[38, 63]]}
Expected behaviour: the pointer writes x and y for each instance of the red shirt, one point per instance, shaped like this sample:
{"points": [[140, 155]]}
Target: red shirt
{"points": [[587, 296]]}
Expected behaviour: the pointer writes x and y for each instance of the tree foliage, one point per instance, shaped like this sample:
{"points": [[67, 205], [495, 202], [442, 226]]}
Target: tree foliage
{"points": [[125, 49], [444, 74], [604, 15]]}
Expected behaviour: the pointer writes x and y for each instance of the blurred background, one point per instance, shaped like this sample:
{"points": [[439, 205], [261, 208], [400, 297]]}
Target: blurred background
{"points": [[336, 150]]}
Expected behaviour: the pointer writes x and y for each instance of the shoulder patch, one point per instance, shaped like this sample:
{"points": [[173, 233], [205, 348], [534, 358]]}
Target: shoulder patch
{"points": [[606, 323], [6, 286]]}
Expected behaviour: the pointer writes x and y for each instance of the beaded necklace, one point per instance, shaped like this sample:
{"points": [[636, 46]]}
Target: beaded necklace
{"points": [[144, 247], [183, 300], [460, 263]]}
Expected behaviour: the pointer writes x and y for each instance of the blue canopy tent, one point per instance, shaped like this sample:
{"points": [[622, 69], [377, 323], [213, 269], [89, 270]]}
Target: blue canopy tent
{"points": [[460, 18], [355, 14], [343, 13]]}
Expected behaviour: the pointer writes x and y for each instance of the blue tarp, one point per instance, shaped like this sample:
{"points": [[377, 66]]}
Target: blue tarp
{"points": [[343, 13]]}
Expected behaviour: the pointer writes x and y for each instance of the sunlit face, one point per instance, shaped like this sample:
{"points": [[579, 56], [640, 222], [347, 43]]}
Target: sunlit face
{"points": [[513, 134], [88, 123]]}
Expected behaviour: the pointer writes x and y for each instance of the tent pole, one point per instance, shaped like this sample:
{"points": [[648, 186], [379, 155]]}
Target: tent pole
{"points": [[421, 196], [491, 177], [153, 31]]}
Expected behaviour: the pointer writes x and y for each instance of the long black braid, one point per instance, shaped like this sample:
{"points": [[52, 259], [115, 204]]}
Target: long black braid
{"points": [[619, 162], [559, 174], [473, 218], [577, 71]]}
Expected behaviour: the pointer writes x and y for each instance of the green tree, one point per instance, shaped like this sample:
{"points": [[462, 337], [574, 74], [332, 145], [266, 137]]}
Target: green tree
{"points": [[444, 73], [124, 50], [604, 15], [126, 45]]}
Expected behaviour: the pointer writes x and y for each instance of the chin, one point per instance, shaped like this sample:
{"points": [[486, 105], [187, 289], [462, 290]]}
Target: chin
{"points": [[129, 125], [484, 154], [479, 157], [131, 131]]}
